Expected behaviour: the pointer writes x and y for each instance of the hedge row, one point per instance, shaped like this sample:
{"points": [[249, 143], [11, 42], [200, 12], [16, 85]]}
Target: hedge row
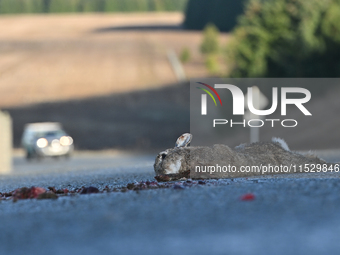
{"points": [[57, 6]]}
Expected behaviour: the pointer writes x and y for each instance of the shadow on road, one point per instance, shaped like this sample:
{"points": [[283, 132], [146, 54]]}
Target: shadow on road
{"points": [[147, 121]]}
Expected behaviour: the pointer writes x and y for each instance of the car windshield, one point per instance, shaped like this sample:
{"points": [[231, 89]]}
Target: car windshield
{"points": [[51, 133]]}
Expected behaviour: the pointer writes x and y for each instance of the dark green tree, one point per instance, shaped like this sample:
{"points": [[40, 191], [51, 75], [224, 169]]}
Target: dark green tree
{"points": [[287, 38], [46, 6], [222, 13]]}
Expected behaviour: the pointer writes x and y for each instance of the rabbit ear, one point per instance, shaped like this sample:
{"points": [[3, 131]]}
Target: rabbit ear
{"points": [[183, 140]]}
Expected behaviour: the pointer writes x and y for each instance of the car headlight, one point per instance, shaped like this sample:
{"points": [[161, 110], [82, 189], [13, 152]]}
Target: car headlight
{"points": [[42, 142], [66, 140], [55, 143]]}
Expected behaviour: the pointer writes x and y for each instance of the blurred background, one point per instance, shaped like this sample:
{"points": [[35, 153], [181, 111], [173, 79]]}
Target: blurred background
{"points": [[115, 73]]}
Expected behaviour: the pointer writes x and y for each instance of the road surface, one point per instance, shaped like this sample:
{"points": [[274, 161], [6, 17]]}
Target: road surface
{"points": [[288, 216]]}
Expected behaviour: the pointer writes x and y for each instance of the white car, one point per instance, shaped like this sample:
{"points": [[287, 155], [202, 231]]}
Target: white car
{"points": [[46, 139]]}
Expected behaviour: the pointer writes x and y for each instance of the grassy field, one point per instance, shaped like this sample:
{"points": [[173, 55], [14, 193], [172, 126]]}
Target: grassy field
{"points": [[46, 58]]}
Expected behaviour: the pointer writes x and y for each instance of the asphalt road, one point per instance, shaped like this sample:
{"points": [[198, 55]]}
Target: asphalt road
{"points": [[295, 215]]}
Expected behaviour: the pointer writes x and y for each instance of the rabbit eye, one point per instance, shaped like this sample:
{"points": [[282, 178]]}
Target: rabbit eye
{"points": [[163, 156]]}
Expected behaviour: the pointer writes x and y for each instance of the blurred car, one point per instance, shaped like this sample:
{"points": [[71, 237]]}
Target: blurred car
{"points": [[46, 139]]}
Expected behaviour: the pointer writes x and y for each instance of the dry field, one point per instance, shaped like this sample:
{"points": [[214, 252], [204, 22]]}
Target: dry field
{"points": [[108, 80], [46, 58]]}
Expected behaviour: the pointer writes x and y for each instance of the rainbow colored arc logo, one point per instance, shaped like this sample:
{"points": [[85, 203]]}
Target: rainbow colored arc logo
{"points": [[209, 93]]}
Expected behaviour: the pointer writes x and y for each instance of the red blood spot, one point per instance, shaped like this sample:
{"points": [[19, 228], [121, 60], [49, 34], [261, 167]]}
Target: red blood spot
{"points": [[25, 193], [248, 197], [36, 191]]}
